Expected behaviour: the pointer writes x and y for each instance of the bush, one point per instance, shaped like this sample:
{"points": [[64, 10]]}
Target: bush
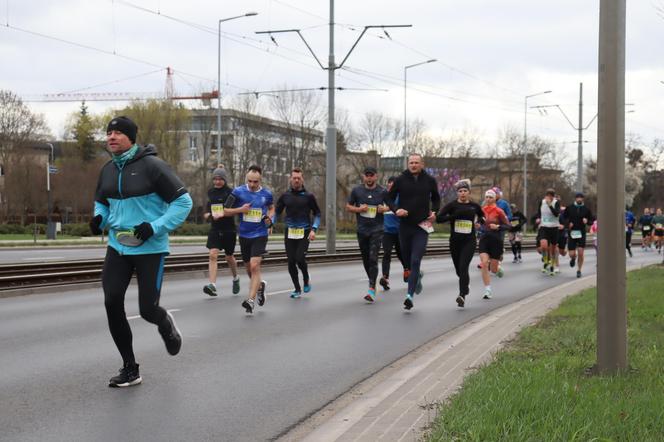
{"points": [[76, 229], [12, 229], [30, 229], [192, 229]]}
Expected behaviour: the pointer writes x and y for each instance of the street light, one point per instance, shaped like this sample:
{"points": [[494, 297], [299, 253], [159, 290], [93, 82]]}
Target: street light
{"points": [[50, 231], [405, 118], [525, 150], [248, 14]]}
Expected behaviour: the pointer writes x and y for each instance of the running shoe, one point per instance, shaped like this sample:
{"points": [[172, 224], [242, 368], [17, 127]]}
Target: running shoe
{"points": [[371, 295], [630, 253], [295, 294], [418, 286], [210, 289], [515, 260], [572, 262], [556, 270], [487, 294], [406, 275], [170, 334], [236, 286], [578, 273], [520, 261], [260, 294], [128, 376], [248, 305], [408, 303], [551, 271], [384, 282], [500, 273], [461, 300], [545, 268], [307, 287]]}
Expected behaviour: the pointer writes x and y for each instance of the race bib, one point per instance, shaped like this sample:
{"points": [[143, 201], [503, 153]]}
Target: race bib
{"points": [[646, 228], [463, 226], [575, 234], [295, 233], [217, 210], [253, 216], [426, 226], [370, 213], [659, 226], [550, 219], [515, 222]]}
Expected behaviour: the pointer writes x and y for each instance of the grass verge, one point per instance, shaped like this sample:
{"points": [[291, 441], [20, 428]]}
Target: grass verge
{"points": [[537, 388]]}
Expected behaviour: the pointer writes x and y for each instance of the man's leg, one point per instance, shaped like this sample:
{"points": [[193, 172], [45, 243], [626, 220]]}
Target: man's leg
{"points": [[212, 265], [375, 240], [301, 258], [254, 270], [581, 258], [291, 246], [364, 242], [389, 241], [116, 275], [419, 240]]}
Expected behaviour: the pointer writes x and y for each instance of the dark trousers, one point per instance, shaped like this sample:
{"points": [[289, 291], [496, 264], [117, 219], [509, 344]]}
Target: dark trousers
{"points": [[390, 241], [413, 245], [462, 251], [369, 248], [116, 275], [628, 240], [296, 252], [516, 249]]}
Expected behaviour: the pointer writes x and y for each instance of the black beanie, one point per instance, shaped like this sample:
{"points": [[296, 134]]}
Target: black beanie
{"points": [[124, 125]]}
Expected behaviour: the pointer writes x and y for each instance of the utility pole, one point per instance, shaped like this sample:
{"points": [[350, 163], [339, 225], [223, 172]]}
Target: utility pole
{"points": [[611, 273], [331, 131]]}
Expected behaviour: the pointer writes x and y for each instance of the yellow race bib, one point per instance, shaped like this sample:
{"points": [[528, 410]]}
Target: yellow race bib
{"points": [[253, 216], [295, 232], [463, 226], [370, 213], [217, 210]]}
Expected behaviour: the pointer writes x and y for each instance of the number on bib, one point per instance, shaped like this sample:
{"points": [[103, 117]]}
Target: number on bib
{"points": [[370, 213], [515, 222], [295, 233], [646, 228], [463, 226], [575, 234], [253, 216], [217, 210]]}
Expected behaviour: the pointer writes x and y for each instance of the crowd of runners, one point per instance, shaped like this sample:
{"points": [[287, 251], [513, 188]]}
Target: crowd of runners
{"points": [[140, 200]]}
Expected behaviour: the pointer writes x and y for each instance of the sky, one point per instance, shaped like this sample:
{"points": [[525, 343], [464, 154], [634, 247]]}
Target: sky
{"points": [[490, 55]]}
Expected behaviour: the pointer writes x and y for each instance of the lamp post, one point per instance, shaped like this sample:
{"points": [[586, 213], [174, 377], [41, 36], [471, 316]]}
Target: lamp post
{"points": [[50, 231], [525, 150], [405, 117], [248, 14]]}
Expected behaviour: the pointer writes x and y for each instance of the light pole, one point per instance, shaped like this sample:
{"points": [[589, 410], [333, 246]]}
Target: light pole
{"points": [[50, 231], [248, 14], [405, 117], [525, 150]]}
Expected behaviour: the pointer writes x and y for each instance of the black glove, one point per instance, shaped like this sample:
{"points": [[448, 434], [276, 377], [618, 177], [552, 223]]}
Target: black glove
{"points": [[94, 225], [143, 231], [267, 221]]}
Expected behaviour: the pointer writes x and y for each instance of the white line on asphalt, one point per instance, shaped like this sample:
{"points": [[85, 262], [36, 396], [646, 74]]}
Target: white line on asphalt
{"points": [[42, 258], [129, 318]]}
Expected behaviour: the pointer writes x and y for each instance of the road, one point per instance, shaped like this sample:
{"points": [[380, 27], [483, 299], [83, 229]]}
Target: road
{"points": [[239, 377]]}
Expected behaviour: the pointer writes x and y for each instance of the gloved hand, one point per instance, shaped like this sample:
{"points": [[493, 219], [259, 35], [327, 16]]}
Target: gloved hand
{"points": [[143, 231], [95, 224]]}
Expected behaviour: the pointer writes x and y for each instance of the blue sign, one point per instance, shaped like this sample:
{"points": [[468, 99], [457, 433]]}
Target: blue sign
{"points": [[52, 169]]}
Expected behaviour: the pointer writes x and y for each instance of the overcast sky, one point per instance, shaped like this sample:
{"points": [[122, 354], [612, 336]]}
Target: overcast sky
{"points": [[491, 55]]}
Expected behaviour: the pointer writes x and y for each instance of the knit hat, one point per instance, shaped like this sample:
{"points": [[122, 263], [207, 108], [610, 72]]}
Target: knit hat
{"points": [[490, 193], [462, 184], [220, 172], [497, 190], [124, 125]]}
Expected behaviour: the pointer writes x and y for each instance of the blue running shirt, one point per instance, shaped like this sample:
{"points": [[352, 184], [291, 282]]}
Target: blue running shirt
{"points": [[251, 223]]}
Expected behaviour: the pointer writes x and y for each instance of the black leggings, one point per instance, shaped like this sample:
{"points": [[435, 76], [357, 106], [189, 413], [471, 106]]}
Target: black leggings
{"points": [[296, 251], [516, 248], [462, 251], [390, 240], [369, 247], [413, 245], [115, 280], [628, 240]]}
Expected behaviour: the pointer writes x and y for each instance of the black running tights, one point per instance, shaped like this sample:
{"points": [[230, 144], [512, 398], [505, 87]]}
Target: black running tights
{"points": [[390, 241], [296, 251], [516, 249], [413, 245], [462, 251], [369, 247], [116, 275]]}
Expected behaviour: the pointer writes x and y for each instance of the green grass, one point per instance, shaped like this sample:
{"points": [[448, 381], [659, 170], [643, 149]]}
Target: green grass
{"points": [[537, 388]]}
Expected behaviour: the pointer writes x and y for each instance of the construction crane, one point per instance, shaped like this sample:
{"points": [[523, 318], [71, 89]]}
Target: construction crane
{"points": [[169, 93]]}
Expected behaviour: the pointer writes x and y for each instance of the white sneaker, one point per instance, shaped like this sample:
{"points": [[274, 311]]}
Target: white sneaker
{"points": [[487, 294], [556, 270]]}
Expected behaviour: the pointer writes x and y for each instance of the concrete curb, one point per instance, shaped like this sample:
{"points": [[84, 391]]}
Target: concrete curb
{"points": [[400, 402]]}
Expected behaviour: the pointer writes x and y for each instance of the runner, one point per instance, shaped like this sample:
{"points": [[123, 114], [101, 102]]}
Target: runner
{"points": [[658, 222], [561, 250], [367, 202], [222, 231], [419, 201], [300, 205], [577, 218], [629, 229], [547, 220], [517, 222], [255, 206], [505, 206], [463, 215], [391, 241], [491, 245], [645, 221], [139, 200]]}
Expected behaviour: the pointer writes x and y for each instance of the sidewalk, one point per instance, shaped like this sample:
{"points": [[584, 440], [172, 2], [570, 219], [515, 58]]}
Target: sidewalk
{"points": [[400, 402]]}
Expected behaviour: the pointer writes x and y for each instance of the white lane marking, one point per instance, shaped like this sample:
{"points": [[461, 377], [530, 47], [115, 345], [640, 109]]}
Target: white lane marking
{"points": [[42, 258], [279, 292], [129, 318]]}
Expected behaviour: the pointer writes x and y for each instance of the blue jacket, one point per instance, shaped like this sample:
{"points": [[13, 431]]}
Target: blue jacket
{"points": [[505, 206], [143, 189]]}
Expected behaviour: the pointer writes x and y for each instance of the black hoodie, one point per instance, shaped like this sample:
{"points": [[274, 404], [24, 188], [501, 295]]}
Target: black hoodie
{"points": [[417, 194]]}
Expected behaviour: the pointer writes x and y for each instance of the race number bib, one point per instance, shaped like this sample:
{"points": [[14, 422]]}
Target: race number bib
{"points": [[217, 210], [515, 222], [550, 219], [659, 226], [426, 226], [646, 228], [575, 234], [370, 213], [295, 233], [253, 216], [463, 226]]}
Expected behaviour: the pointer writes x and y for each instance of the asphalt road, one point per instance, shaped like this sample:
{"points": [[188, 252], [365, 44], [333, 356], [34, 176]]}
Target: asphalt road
{"points": [[239, 377]]}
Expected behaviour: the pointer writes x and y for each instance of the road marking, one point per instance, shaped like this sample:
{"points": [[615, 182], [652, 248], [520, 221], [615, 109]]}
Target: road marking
{"points": [[279, 292], [129, 318], [42, 258]]}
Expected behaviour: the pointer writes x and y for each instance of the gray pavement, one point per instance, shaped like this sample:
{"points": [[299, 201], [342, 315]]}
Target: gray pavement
{"points": [[238, 377]]}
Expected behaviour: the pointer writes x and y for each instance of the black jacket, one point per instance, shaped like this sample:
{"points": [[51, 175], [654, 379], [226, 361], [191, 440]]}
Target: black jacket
{"points": [[417, 194], [574, 214]]}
